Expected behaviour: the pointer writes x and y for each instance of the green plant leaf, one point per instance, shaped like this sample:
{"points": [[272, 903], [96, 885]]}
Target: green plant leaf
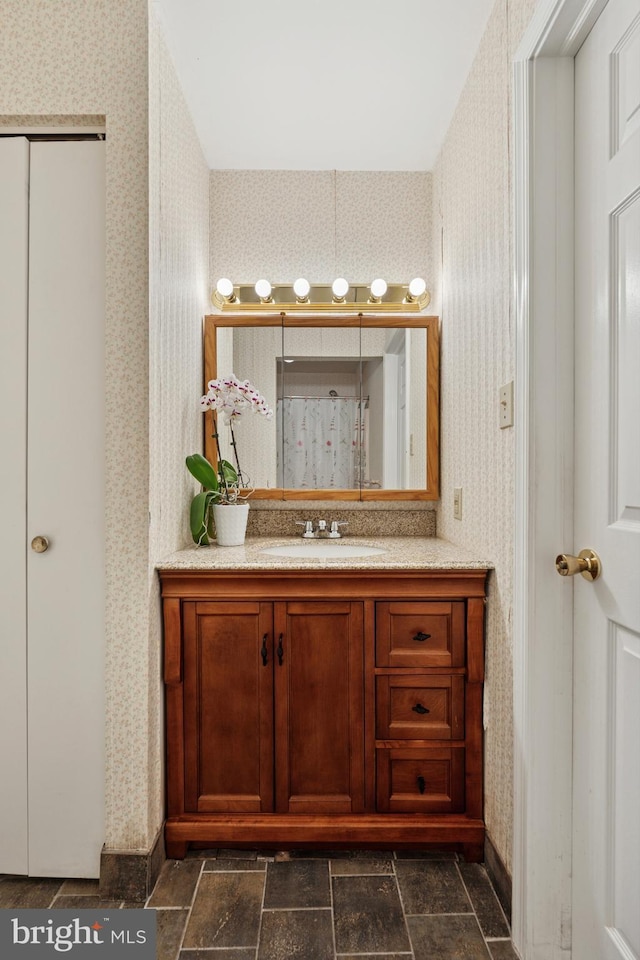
{"points": [[199, 517], [228, 471], [202, 470]]}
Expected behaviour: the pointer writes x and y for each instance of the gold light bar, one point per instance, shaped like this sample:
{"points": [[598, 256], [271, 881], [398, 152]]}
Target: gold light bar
{"points": [[396, 299]]}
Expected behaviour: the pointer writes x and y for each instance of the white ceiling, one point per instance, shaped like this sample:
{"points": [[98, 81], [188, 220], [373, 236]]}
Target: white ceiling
{"points": [[322, 84]]}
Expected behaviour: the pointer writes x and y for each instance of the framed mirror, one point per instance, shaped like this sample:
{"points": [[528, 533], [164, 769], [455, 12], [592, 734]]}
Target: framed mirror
{"points": [[355, 401]]}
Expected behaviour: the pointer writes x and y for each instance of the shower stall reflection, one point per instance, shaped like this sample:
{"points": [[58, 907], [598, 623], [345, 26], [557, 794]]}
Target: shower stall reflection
{"points": [[322, 441]]}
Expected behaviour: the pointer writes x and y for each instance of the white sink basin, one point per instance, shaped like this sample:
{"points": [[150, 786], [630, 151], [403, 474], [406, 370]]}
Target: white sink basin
{"points": [[323, 550]]}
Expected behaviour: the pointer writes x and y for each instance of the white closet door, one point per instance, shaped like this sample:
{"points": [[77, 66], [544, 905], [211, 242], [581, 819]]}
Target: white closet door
{"points": [[14, 238], [65, 497]]}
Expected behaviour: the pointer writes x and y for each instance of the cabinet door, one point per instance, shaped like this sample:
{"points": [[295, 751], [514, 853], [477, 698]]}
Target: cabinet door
{"points": [[228, 714], [319, 681]]}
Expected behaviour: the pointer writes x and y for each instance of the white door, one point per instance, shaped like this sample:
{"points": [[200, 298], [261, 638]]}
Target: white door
{"points": [[606, 858], [52, 376]]}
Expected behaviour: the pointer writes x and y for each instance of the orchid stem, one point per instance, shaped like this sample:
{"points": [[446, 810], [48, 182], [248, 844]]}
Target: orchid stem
{"points": [[216, 437], [235, 452]]}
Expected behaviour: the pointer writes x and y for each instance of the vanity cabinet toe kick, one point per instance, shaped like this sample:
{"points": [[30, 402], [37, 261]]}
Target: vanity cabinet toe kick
{"points": [[333, 709]]}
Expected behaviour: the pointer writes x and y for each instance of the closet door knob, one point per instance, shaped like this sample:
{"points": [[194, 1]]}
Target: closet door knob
{"points": [[280, 650], [264, 653], [420, 709], [421, 784], [421, 637], [39, 544]]}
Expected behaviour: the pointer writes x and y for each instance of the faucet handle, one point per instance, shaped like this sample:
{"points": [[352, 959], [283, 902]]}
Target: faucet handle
{"points": [[322, 524], [308, 528], [335, 533]]}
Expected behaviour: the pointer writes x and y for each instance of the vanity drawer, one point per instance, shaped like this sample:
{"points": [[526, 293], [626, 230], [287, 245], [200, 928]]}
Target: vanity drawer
{"points": [[420, 780], [419, 708], [420, 634]]}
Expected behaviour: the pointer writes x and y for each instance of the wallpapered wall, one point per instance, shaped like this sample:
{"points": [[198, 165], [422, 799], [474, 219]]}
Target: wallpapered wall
{"points": [[80, 62], [472, 240], [179, 291], [283, 224]]}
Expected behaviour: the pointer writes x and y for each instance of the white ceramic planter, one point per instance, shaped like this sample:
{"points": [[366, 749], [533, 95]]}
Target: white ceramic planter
{"points": [[231, 523]]}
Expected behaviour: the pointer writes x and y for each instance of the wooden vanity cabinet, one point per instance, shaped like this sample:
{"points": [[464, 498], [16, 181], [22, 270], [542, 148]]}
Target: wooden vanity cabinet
{"points": [[324, 708], [273, 707]]}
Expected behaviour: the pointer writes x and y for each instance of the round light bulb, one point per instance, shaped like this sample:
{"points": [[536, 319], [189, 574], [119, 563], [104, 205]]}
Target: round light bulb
{"points": [[263, 289], [378, 288], [417, 287], [225, 288], [340, 288], [301, 288]]}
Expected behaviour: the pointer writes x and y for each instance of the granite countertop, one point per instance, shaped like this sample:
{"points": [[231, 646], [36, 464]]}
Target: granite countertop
{"points": [[401, 553]]}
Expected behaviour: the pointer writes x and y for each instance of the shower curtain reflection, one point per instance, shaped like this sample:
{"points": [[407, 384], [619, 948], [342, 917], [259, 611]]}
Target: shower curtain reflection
{"points": [[322, 442]]}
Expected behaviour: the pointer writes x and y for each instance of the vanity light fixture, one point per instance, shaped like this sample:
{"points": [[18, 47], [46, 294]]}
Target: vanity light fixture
{"points": [[378, 289], [339, 297], [263, 289], [340, 288], [302, 288], [224, 288]]}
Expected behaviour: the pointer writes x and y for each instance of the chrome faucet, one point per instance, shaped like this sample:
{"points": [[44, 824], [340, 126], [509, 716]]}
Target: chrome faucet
{"points": [[321, 532]]}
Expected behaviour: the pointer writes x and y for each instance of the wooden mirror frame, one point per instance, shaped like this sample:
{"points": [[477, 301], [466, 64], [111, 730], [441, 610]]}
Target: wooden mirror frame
{"points": [[430, 324]]}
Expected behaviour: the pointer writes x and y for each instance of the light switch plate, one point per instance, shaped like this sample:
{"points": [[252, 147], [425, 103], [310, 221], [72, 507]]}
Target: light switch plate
{"points": [[457, 503], [506, 405]]}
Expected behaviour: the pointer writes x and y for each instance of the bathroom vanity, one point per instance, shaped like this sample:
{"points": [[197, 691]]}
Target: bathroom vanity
{"points": [[314, 702]]}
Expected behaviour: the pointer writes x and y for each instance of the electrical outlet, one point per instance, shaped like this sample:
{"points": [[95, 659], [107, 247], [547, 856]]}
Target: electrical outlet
{"points": [[457, 503], [506, 405]]}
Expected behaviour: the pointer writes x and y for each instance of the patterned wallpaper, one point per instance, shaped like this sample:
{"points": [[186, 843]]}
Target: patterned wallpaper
{"points": [[284, 224], [472, 241], [178, 267]]}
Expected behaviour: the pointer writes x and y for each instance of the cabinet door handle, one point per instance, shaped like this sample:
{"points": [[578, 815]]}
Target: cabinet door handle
{"points": [[420, 709], [421, 784], [280, 650], [264, 653], [421, 637]]}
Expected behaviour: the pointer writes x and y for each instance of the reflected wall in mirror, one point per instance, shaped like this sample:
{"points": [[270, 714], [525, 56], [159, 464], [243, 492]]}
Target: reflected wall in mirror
{"points": [[355, 402]]}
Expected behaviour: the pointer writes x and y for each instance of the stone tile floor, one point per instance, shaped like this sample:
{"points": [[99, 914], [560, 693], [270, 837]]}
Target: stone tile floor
{"points": [[306, 905]]}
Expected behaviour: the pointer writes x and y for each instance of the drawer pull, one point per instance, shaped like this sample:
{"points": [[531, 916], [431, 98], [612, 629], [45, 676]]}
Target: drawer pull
{"points": [[421, 784], [264, 652], [421, 637], [420, 709], [280, 650]]}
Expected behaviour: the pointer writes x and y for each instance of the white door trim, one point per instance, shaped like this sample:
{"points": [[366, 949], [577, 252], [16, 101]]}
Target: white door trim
{"points": [[543, 307]]}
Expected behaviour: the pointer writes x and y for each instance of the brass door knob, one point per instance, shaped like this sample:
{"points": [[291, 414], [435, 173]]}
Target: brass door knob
{"points": [[39, 544], [587, 563]]}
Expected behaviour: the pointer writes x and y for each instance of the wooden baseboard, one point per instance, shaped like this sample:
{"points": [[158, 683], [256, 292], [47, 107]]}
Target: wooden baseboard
{"points": [[127, 875], [498, 874]]}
